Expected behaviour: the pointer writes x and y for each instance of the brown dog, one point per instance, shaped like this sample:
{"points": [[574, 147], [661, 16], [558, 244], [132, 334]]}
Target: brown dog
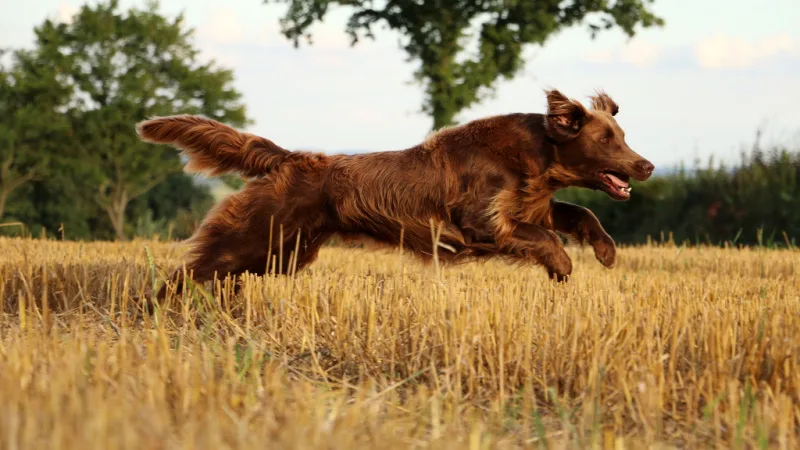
{"points": [[489, 185]]}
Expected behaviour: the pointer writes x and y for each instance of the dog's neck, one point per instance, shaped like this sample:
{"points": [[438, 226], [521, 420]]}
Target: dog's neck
{"points": [[537, 194], [548, 176]]}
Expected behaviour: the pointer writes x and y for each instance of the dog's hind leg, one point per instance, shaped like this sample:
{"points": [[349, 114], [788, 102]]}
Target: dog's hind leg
{"points": [[217, 257], [285, 262], [229, 241], [249, 230], [214, 259]]}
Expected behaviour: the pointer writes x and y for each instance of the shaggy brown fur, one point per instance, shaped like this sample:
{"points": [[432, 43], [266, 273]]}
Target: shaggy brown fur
{"points": [[489, 184]]}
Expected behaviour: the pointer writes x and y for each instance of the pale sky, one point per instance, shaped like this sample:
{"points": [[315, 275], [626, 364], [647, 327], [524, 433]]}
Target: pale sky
{"points": [[702, 84]]}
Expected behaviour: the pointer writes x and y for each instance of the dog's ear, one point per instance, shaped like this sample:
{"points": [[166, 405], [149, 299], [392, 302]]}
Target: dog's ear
{"points": [[565, 117], [602, 102]]}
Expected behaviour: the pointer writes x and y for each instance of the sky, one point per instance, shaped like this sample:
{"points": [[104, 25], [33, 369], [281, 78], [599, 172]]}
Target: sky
{"points": [[701, 85]]}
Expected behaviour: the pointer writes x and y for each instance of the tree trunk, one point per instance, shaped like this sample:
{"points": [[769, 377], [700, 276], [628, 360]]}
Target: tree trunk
{"points": [[8, 183], [115, 208], [438, 70], [442, 116], [116, 204], [117, 216], [3, 197], [7, 188]]}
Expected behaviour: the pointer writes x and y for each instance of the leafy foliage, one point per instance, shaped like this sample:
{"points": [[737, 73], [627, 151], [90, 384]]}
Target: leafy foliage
{"points": [[30, 126], [120, 67], [463, 46]]}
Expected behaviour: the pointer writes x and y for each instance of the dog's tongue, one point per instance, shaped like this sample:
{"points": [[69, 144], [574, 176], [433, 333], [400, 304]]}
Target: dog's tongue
{"points": [[616, 181]]}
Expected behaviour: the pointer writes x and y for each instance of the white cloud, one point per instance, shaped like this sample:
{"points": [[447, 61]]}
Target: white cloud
{"points": [[222, 34], [727, 52], [65, 12], [638, 53], [225, 27]]}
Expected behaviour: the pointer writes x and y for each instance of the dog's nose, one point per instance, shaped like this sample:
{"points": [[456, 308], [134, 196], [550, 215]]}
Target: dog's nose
{"points": [[645, 167]]}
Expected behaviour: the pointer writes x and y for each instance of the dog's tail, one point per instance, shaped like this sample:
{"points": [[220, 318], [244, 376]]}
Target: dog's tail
{"points": [[213, 147]]}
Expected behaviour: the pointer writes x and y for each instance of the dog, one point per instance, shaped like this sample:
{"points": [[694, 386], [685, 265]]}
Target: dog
{"points": [[487, 185]]}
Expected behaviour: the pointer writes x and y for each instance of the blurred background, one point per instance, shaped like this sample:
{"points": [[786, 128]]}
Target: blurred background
{"points": [[707, 91]]}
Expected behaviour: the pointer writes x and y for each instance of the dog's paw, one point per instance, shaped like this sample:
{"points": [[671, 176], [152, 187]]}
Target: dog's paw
{"points": [[559, 277], [605, 251], [560, 268]]}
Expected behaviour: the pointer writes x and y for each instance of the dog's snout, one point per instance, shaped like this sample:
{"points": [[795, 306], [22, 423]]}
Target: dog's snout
{"points": [[645, 168]]}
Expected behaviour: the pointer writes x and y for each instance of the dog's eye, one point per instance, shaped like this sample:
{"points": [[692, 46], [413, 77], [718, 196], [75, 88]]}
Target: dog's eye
{"points": [[604, 139]]}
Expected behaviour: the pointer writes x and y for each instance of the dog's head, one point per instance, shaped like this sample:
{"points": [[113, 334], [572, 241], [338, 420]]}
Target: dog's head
{"points": [[591, 145]]}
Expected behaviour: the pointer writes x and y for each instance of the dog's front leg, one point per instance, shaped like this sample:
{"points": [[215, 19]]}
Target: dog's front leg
{"points": [[532, 242], [582, 224]]}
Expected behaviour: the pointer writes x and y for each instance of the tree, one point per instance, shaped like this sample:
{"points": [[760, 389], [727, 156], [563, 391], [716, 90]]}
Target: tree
{"points": [[437, 34], [121, 67], [29, 122]]}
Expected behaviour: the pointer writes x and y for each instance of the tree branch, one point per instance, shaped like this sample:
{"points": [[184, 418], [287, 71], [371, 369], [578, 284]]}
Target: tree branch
{"points": [[149, 184]]}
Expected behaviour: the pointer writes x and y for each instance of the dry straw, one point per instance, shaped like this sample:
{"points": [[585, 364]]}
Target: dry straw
{"points": [[683, 348]]}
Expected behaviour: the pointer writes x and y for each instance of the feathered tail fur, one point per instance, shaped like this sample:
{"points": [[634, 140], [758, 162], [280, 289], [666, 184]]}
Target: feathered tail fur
{"points": [[213, 147]]}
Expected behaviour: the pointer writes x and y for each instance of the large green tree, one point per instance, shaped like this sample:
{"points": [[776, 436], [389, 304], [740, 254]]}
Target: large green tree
{"points": [[463, 46], [120, 67], [30, 125]]}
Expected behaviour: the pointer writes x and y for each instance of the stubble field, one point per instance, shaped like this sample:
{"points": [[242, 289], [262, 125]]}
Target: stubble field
{"points": [[673, 348]]}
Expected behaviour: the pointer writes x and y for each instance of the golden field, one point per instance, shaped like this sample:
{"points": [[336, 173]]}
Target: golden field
{"points": [[673, 348]]}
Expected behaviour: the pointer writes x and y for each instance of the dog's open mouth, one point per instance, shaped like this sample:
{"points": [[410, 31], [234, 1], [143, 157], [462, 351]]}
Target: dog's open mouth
{"points": [[616, 185]]}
